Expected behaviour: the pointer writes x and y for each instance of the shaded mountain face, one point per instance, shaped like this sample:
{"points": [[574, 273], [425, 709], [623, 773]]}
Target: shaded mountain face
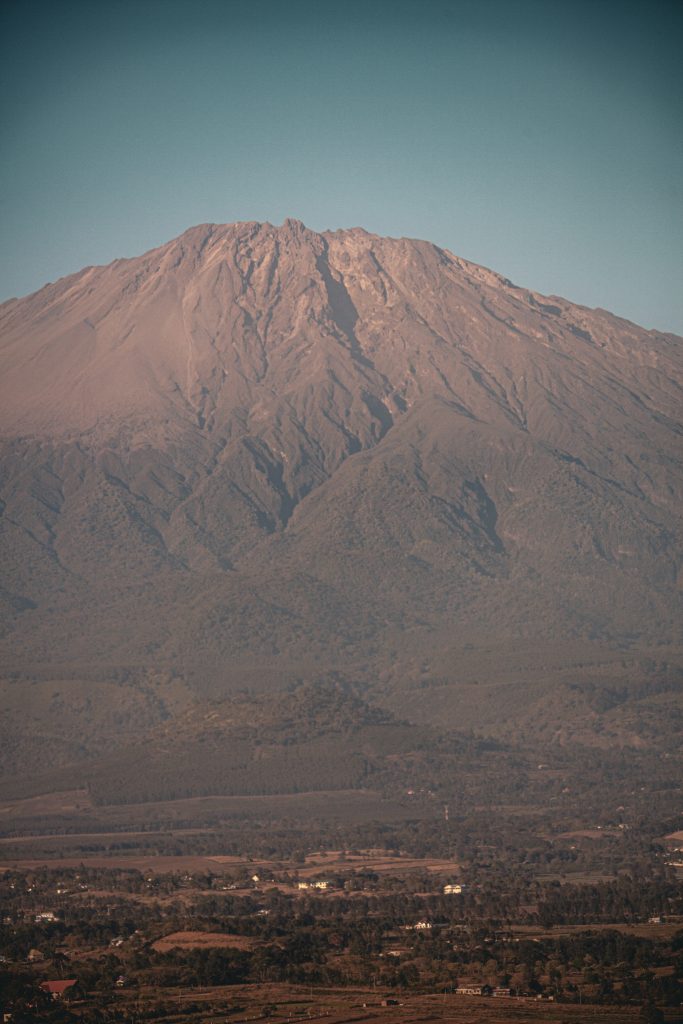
{"points": [[258, 455]]}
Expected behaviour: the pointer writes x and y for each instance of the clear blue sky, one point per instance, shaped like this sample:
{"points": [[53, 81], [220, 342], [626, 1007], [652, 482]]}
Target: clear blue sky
{"points": [[538, 137]]}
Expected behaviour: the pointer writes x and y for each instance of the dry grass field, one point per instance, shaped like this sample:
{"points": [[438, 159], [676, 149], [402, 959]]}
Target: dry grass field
{"points": [[203, 940], [157, 864], [70, 802], [57, 841], [236, 1004], [75, 808], [318, 864], [377, 861], [663, 931]]}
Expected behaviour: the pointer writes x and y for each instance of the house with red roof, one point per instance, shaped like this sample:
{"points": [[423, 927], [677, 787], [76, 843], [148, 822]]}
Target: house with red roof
{"points": [[56, 989]]}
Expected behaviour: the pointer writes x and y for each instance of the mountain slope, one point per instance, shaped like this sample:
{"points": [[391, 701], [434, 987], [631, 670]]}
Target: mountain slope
{"points": [[258, 454]]}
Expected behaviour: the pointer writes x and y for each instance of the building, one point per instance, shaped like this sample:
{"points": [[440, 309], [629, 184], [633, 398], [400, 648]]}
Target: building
{"points": [[57, 988], [473, 990], [453, 889]]}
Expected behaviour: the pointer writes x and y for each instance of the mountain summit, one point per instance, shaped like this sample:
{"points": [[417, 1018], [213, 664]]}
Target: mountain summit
{"points": [[263, 454]]}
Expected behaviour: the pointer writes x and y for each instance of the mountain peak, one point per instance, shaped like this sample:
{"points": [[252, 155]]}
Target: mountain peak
{"points": [[139, 340], [294, 225]]}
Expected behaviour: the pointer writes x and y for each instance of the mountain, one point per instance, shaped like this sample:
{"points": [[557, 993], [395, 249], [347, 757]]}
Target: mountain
{"points": [[259, 457]]}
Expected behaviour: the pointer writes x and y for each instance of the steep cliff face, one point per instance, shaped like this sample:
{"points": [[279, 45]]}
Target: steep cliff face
{"points": [[260, 453]]}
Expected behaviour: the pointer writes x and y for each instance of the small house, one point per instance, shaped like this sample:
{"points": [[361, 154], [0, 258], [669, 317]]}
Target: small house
{"points": [[56, 989], [45, 915]]}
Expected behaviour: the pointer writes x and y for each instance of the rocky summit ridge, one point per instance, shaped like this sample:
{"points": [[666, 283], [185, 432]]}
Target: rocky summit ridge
{"points": [[258, 455]]}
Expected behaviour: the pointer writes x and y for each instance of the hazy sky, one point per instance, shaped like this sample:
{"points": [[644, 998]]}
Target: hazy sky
{"points": [[542, 139]]}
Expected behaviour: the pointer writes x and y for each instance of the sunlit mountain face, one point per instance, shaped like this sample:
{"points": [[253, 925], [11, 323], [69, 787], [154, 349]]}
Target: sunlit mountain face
{"points": [[258, 457]]}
